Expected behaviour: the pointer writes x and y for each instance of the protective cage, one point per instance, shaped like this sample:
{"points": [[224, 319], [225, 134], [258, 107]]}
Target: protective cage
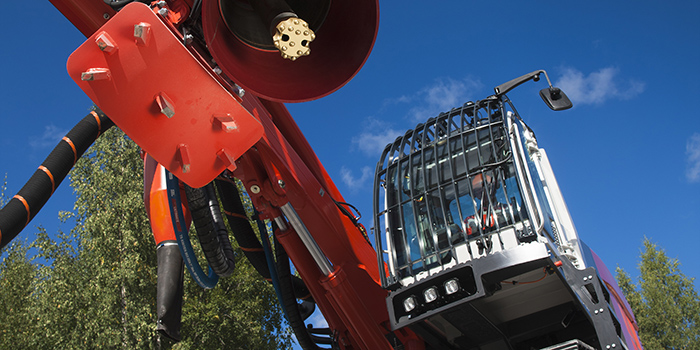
{"points": [[459, 210], [445, 192]]}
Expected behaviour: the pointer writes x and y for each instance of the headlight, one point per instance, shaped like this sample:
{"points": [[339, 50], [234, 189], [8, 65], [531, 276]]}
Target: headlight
{"points": [[430, 294], [451, 286], [409, 304]]}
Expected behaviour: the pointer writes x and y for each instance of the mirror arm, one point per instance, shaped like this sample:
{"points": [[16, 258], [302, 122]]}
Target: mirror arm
{"points": [[506, 87]]}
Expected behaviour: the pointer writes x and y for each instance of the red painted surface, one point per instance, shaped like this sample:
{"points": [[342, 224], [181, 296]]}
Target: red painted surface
{"points": [[162, 97], [342, 46], [622, 308], [155, 197], [152, 80], [85, 15]]}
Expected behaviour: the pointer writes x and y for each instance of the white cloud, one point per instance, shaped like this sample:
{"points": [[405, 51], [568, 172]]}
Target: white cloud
{"points": [[51, 137], [441, 96], [597, 87], [692, 152], [376, 135], [355, 183]]}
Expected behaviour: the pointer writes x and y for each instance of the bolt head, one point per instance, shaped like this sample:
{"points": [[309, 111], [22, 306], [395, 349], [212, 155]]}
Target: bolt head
{"points": [[188, 39], [240, 91]]}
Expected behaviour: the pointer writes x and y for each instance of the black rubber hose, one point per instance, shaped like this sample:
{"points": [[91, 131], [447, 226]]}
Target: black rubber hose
{"points": [[224, 241], [170, 290], [242, 230], [211, 230], [245, 236], [22, 208], [289, 300]]}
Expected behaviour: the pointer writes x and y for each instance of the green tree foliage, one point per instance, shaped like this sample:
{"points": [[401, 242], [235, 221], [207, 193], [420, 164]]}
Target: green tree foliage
{"points": [[95, 287], [665, 302], [16, 275]]}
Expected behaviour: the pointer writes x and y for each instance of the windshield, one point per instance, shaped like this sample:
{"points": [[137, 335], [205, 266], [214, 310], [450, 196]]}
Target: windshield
{"points": [[449, 181]]}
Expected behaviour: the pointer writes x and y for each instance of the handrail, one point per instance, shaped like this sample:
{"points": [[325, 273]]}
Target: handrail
{"points": [[535, 213]]}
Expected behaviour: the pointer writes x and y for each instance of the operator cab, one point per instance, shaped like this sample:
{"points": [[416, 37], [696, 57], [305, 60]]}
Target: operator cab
{"points": [[466, 207], [448, 193]]}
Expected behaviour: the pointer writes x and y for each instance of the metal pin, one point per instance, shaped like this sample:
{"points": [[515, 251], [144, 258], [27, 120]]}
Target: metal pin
{"points": [[228, 160], [165, 105], [224, 122], [95, 74], [142, 33], [184, 154], [106, 43]]}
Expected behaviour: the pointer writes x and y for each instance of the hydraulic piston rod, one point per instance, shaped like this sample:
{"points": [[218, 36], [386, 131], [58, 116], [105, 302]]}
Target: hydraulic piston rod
{"points": [[323, 264]]}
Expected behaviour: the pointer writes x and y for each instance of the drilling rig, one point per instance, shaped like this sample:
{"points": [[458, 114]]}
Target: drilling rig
{"points": [[474, 245]]}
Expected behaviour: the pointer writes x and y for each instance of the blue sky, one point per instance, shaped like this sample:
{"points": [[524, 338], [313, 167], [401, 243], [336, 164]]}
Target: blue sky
{"points": [[627, 156]]}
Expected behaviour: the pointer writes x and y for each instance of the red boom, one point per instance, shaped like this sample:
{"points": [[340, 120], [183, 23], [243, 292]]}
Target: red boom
{"points": [[280, 169]]}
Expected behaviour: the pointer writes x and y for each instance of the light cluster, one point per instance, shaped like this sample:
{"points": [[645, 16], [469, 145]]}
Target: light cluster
{"points": [[431, 294]]}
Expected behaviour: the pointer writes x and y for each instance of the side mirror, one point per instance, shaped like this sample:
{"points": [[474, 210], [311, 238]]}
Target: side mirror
{"points": [[555, 99], [552, 96]]}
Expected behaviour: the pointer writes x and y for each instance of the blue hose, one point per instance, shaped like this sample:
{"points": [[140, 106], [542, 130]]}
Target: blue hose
{"points": [[271, 263], [183, 238]]}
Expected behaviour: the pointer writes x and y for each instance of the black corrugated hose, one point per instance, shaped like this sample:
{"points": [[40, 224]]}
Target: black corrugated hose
{"points": [[22, 208], [211, 230], [291, 287], [242, 231], [245, 236], [306, 340]]}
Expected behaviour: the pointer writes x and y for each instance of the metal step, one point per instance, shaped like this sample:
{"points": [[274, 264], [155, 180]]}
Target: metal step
{"points": [[574, 344]]}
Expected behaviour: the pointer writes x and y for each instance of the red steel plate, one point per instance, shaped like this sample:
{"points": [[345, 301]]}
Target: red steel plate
{"points": [[152, 78]]}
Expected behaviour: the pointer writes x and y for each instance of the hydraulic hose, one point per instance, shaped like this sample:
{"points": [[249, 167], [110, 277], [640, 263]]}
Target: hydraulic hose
{"points": [[22, 208], [270, 262], [183, 239], [289, 300], [245, 236], [242, 230], [170, 290], [211, 230]]}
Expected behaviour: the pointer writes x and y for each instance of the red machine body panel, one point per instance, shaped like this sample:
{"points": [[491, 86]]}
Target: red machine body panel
{"points": [[163, 81], [87, 16], [354, 284], [177, 102], [156, 91], [342, 46]]}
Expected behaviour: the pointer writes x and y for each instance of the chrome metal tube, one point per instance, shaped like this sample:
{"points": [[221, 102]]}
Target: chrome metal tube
{"points": [[323, 264]]}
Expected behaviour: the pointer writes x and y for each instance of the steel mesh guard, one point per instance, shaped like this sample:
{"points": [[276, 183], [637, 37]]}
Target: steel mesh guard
{"points": [[449, 181]]}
